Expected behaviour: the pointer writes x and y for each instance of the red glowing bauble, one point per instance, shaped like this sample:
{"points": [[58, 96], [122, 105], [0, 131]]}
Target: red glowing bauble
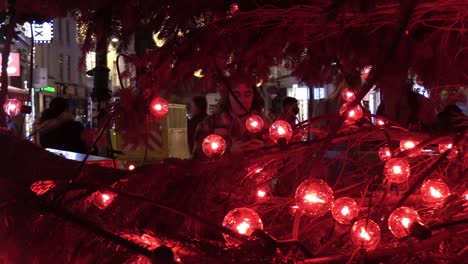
{"points": [[397, 170], [434, 191], [159, 107], [103, 199], [254, 124], [314, 197], [348, 94], [344, 210], [353, 114], [214, 146], [365, 234], [400, 221], [448, 146], [385, 153], [409, 144], [280, 130], [243, 221], [12, 107]]}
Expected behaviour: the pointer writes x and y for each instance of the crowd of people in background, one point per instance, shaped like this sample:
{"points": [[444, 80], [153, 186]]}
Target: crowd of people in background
{"points": [[244, 99], [58, 129]]}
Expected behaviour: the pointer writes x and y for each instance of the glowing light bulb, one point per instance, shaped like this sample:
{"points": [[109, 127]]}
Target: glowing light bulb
{"points": [[243, 221], [353, 114], [159, 107], [12, 107], [131, 167], [280, 130], [348, 94], [385, 153], [254, 124], [365, 234], [397, 170], [344, 210], [434, 191], [400, 221], [213, 146], [102, 200], [314, 197], [410, 144]]}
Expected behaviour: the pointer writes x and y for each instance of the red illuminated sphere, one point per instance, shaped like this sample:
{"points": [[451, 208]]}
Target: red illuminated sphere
{"points": [[397, 170], [352, 115], [344, 210], [314, 197], [214, 145], [12, 107], [434, 191], [365, 234], [348, 94], [401, 220], [243, 221], [280, 130], [385, 153], [254, 124], [159, 107], [103, 199], [409, 144]]}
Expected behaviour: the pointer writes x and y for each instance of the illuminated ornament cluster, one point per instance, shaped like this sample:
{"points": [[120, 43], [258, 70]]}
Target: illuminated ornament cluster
{"points": [[254, 124], [102, 200], [280, 132], [344, 210], [214, 145], [353, 114], [243, 221], [385, 153], [400, 221], [446, 147], [397, 170], [409, 144], [159, 107], [365, 234], [314, 197], [12, 107], [348, 94], [434, 191]]}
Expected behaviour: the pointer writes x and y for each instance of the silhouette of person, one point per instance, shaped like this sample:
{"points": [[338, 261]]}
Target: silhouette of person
{"points": [[198, 108], [58, 130], [290, 110]]}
